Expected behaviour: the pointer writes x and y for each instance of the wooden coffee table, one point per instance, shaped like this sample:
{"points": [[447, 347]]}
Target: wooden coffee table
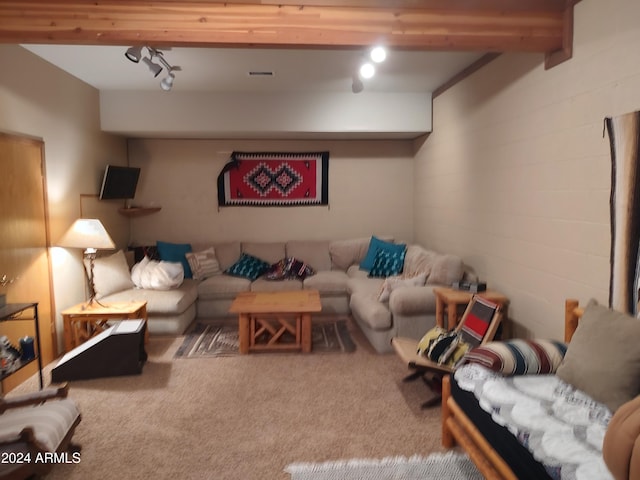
{"points": [[265, 317]]}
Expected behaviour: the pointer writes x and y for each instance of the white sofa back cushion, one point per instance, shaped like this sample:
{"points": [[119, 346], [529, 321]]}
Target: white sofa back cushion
{"points": [[110, 274]]}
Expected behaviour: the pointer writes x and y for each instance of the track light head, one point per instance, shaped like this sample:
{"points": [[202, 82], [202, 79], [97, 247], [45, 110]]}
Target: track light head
{"points": [[356, 85], [167, 82], [134, 54], [154, 67], [367, 70], [378, 54]]}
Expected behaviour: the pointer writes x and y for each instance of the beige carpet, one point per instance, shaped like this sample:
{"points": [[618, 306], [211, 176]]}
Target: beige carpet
{"points": [[246, 417]]}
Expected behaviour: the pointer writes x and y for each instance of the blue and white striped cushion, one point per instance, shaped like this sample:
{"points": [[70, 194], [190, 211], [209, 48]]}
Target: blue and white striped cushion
{"points": [[519, 357]]}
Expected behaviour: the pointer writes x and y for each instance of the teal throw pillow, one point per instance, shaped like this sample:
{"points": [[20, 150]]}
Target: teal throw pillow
{"points": [[387, 263], [248, 267], [175, 252], [376, 244]]}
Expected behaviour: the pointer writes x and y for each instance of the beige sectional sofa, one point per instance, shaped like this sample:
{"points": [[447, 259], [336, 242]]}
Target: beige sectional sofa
{"points": [[344, 288]]}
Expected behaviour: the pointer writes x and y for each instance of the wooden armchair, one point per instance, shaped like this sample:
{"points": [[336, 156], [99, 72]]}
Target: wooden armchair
{"points": [[36, 431], [478, 325]]}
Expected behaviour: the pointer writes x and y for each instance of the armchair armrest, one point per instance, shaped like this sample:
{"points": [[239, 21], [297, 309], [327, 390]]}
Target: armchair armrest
{"points": [[33, 398]]}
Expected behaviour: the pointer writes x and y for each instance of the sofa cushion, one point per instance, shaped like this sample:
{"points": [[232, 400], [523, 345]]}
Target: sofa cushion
{"points": [[264, 285], [345, 253], [203, 263], [445, 270], [370, 286], [313, 253], [603, 358], [110, 274], [327, 282], [409, 301], [163, 302], [375, 245], [175, 252], [392, 283], [248, 267], [368, 310], [222, 287], [227, 253], [418, 260], [270, 252]]}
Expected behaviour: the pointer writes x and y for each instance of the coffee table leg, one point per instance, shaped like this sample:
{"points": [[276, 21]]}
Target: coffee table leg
{"points": [[243, 333], [306, 333]]}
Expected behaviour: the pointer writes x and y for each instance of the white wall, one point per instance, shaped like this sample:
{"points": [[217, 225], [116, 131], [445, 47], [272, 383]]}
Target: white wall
{"points": [[266, 115], [516, 174], [40, 100], [370, 191]]}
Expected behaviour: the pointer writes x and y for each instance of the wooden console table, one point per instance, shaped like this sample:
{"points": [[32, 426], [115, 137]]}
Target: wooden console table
{"points": [[83, 321], [272, 315]]}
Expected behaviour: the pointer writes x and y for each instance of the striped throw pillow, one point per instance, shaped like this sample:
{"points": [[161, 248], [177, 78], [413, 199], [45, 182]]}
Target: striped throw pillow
{"points": [[204, 264], [519, 357]]}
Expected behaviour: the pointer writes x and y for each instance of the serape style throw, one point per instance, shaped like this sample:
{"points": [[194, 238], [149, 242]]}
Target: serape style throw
{"points": [[265, 179]]}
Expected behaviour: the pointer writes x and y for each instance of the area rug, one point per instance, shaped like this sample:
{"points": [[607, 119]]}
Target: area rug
{"points": [[437, 466], [219, 340]]}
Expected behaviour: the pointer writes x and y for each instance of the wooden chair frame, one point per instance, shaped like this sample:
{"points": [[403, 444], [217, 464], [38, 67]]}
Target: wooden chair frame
{"points": [[26, 437], [458, 429], [421, 366]]}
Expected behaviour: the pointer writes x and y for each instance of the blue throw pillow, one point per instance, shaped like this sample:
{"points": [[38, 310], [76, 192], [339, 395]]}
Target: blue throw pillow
{"points": [[175, 252], [387, 263], [376, 244], [248, 266]]}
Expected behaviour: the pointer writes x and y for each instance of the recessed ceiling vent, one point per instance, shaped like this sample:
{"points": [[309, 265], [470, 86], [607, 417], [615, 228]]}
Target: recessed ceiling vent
{"points": [[261, 73]]}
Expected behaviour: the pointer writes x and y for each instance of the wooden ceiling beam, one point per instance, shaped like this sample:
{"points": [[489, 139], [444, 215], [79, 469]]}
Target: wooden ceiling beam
{"points": [[480, 25]]}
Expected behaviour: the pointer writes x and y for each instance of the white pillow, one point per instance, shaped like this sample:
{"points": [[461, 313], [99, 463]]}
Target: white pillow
{"points": [[392, 283], [136, 271], [157, 275], [110, 274], [203, 264]]}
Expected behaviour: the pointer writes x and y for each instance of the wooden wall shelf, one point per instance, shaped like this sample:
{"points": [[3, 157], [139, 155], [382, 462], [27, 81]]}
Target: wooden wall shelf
{"points": [[138, 211]]}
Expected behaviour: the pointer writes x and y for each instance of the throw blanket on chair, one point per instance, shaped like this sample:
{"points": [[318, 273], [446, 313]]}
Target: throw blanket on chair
{"points": [[624, 132]]}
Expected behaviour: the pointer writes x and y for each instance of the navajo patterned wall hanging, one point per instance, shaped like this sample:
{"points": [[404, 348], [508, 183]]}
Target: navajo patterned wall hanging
{"points": [[624, 139], [266, 179]]}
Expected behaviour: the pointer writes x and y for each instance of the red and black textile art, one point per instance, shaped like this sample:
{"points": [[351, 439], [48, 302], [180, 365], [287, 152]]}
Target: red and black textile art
{"points": [[265, 179]]}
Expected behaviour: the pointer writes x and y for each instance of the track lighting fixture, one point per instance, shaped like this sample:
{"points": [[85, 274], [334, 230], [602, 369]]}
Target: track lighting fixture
{"points": [[135, 55], [367, 70], [153, 67]]}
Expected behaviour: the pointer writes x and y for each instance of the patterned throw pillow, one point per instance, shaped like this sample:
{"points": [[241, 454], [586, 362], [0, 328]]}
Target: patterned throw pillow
{"points": [[519, 357], [289, 267], [375, 245], [204, 264], [387, 263], [248, 266]]}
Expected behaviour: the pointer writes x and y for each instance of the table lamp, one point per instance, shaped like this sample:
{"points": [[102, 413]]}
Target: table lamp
{"points": [[90, 234]]}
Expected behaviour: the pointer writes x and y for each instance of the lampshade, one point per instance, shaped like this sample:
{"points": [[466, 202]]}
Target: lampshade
{"points": [[134, 54], [87, 233], [154, 67]]}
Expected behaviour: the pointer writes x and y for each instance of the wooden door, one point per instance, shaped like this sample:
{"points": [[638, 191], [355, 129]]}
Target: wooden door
{"points": [[24, 241]]}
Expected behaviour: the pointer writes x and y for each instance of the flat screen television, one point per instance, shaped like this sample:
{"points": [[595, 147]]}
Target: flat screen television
{"points": [[119, 183]]}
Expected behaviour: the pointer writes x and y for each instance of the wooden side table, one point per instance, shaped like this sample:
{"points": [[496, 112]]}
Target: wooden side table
{"points": [[83, 321], [451, 300]]}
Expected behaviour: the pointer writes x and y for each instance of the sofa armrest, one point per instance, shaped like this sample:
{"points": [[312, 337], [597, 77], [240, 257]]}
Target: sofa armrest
{"points": [[412, 301]]}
